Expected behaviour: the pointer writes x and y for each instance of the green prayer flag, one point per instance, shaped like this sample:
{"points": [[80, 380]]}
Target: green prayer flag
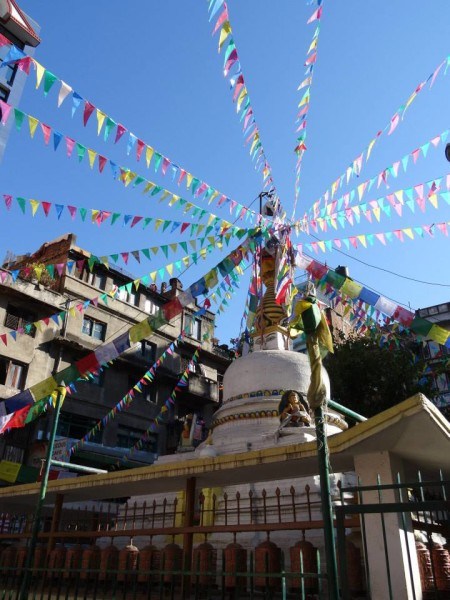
{"points": [[18, 117], [49, 80], [81, 151], [22, 203], [109, 125]]}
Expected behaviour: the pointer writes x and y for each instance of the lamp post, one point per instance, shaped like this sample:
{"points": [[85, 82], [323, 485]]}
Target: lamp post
{"points": [[58, 397]]}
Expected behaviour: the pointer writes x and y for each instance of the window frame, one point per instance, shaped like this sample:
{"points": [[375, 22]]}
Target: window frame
{"points": [[23, 319], [18, 378], [90, 331]]}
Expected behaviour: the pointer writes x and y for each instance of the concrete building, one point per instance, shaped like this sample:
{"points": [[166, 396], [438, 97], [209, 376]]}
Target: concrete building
{"points": [[23, 33], [40, 353], [437, 356]]}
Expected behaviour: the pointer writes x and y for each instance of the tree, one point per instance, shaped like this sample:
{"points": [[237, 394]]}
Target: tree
{"points": [[368, 377]]}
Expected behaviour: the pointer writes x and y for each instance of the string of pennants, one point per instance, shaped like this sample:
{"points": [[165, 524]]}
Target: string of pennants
{"points": [[368, 239], [419, 195], [127, 176], [232, 70], [210, 277], [354, 290], [30, 412], [303, 105], [227, 291], [110, 350], [111, 128], [100, 216], [382, 177], [356, 166], [170, 401], [58, 269], [106, 297], [83, 369], [126, 401]]}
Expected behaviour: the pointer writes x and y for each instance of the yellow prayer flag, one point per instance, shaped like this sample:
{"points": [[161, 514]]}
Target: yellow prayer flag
{"points": [[149, 186], [321, 245], [241, 98], [158, 223], [33, 123], [377, 212], [39, 73], [164, 195], [439, 334], [213, 197], [188, 180], [148, 155], [224, 33], [9, 470], [129, 176], [370, 148], [362, 240], [409, 232], [100, 120], [153, 275], [169, 269], [43, 388], [351, 288], [434, 200], [91, 154], [185, 260], [173, 247], [34, 206], [139, 331], [174, 199]]}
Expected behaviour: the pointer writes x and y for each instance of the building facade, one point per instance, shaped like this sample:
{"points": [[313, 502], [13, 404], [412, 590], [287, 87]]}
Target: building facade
{"points": [[437, 356], [22, 31], [44, 351]]}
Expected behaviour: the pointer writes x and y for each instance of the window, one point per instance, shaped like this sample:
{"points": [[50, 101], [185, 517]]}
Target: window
{"points": [[96, 378], [76, 426], [128, 436], [17, 318], [126, 296], [150, 307], [193, 327], [99, 280], [93, 328], [10, 74], [4, 94], [148, 351], [12, 374]]}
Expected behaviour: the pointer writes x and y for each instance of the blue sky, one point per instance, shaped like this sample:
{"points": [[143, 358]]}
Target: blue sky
{"points": [[154, 67]]}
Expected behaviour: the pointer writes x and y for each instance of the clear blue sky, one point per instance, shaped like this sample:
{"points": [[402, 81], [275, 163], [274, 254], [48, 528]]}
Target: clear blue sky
{"points": [[154, 67]]}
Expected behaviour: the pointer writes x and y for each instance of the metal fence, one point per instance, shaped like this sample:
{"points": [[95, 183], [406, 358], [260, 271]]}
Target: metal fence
{"points": [[418, 512], [257, 544]]}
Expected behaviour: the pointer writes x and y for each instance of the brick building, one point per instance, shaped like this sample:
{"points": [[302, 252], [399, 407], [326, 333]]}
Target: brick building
{"points": [[42, 352]]}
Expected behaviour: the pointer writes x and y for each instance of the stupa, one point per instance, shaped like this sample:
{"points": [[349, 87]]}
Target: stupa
{"points": [[258, 385]]}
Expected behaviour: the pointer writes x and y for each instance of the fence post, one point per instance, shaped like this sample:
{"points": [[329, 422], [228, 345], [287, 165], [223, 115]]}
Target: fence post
{"points": [[189, 507]]}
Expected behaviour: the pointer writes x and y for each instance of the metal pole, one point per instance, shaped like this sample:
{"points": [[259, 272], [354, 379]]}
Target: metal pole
{"points": [[346, 411], [60, 395], [327, 509]]}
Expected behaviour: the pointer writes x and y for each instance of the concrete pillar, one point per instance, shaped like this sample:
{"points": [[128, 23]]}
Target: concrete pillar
{"points": [[398, 556]]}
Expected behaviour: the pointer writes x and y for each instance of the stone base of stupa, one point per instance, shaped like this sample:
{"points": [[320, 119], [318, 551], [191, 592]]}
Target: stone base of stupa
{"points": [[248, 418]]}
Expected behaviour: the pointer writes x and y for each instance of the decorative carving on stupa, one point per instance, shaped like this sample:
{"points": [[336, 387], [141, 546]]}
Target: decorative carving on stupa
{"points": [[269, 314]]}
